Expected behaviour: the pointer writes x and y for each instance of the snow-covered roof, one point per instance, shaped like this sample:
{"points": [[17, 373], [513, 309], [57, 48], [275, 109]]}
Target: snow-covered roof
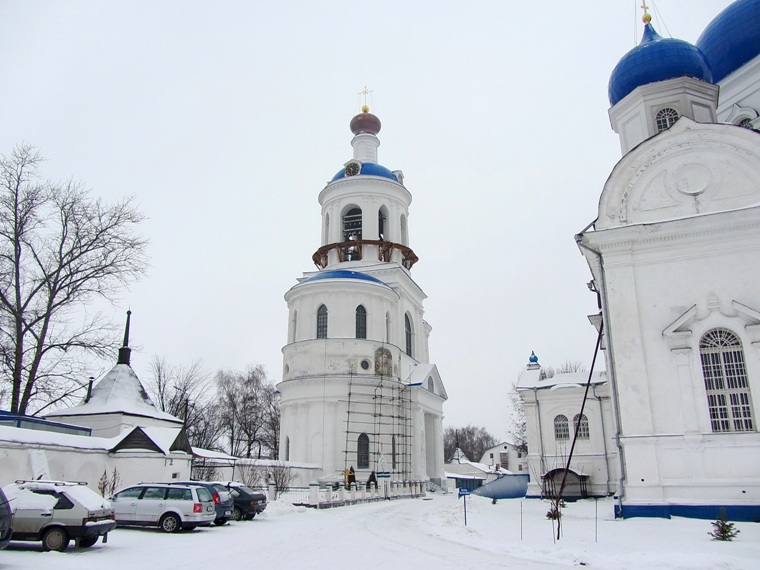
{"points": [[209, 454], [532, 378], [119, 391], [459, 476], [162, 437], [419, 374]]}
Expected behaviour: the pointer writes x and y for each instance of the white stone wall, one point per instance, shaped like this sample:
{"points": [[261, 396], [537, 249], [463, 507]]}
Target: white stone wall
{"points": [[678, 236], [22, 461]]}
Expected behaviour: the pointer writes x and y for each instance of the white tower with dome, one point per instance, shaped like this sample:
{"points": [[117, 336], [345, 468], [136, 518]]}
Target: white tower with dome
{"points": [[358, 390]]}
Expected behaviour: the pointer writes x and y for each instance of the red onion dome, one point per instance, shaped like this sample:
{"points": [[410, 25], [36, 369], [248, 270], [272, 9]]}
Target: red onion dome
{"points": [[365, 122]]}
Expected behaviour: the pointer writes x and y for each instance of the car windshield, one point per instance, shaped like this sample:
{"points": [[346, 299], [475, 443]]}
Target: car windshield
{"points": [[203, 494]]}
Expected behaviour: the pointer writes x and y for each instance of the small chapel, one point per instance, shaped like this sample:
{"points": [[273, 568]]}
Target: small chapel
{"points": [[674, 253], [358, 392]]}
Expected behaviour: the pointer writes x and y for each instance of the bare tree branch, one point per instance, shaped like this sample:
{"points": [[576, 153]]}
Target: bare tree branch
{"points": [[59, 250]]}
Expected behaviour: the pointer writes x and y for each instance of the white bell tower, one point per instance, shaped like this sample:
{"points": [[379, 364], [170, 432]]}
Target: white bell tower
{"points": [[358, 390]]}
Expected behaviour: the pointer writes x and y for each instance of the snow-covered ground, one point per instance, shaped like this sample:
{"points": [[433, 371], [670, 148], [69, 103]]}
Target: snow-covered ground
{"points": [[414, 533]]}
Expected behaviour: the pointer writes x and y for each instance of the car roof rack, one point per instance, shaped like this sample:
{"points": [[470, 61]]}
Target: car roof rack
{"points": [[50, 482]]}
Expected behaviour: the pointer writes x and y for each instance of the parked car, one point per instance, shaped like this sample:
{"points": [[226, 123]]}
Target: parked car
{"points": [[248, 503], [222, 497], [170, 507], [6, 521], [57, 511]]}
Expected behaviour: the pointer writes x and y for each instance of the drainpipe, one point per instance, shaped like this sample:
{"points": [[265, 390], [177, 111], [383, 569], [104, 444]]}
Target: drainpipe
{"points": [[604, 438], [610, 360], [540, 433]]}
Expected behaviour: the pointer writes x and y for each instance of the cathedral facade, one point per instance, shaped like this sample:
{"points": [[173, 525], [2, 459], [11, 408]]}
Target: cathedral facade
{"points": [[358, 391], [674, 252]]}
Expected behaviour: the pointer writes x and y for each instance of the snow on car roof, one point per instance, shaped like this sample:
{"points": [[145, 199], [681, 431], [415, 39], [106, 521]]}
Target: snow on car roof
{"points": [[19, 497], [88, 498], [82, 494]]}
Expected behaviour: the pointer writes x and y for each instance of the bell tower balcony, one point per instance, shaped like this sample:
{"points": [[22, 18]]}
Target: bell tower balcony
{"points": [[355, 250]]}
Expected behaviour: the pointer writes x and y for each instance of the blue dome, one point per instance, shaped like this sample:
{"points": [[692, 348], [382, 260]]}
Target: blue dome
{"points": [[656, 59], [343, 274], [369, 169], [732, 38]]}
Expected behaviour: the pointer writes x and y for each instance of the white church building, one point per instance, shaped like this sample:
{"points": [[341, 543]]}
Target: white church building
{"points": [[674, 254], [358, 390]]}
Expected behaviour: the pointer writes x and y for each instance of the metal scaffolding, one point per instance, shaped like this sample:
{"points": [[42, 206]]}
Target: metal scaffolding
{"points": [[379, 426]]}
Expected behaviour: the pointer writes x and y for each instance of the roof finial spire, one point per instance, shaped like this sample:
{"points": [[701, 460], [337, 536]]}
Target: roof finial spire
{"points": [[125, 351], [647, 17], [365, 92]]}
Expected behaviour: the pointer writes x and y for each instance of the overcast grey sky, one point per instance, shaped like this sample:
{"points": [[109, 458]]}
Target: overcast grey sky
{"points": [[225, 119]]}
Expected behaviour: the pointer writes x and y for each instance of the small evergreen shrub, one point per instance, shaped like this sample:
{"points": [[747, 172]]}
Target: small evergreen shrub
{"points": [[722, 529]]}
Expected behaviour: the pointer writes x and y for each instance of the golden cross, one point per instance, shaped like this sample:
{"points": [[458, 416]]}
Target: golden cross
{"points": [[365, 92], [645, 7]]}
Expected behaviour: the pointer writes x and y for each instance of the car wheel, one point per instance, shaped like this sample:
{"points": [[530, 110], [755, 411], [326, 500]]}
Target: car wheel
{"points": [[55, 539], [87, 542], [237, 514], [249, 516], [221, 521], [170, 523]]}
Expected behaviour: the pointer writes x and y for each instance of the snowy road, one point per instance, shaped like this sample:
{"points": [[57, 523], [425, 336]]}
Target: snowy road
{"points": [[416, 534]]}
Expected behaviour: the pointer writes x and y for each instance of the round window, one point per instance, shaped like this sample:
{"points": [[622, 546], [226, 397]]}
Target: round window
{"points": [[365, 364]]}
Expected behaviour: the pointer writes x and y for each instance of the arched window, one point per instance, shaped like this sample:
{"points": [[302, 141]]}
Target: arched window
{"points": [[322, 322], [293, 326], [561, 428], [665, 118], [728, 396], [382, 223], [287, 448], [404, 236], [746, 123], [408, 330], [326, 230], [430, 384], [352, 224], [388, 327], [362, 452], [393, 451], [580, 422], [361, 322]]}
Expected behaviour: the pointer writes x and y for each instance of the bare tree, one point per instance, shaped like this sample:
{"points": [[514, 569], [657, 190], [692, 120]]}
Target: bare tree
{"points": [[282, 476], [249, 408], [250, 474], [473, 441], [517, 426], [183, 391], [60, 250]]}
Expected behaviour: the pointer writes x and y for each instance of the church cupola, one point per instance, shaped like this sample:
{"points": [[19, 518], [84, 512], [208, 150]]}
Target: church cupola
{"points": [[365, 127], [365, 207], [656, 83]]}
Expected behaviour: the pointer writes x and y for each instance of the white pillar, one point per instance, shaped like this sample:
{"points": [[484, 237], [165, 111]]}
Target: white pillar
{"points": [[314, 494]]}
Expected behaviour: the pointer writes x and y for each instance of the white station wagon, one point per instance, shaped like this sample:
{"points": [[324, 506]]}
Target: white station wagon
{"points": [[170, 507]]}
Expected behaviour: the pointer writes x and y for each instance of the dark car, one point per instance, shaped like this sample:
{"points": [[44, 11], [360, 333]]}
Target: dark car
{"points": [[6, 520], [248, 503], [223, 502]]}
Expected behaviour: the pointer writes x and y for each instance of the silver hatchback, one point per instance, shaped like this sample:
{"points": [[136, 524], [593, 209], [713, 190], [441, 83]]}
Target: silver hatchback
{"points": [[54, 512], [170, 507]]}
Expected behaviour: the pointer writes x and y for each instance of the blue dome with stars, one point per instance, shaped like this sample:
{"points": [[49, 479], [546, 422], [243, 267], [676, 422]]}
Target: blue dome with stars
{"points": [[369, 169], [732, 38], [656, 59]]}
